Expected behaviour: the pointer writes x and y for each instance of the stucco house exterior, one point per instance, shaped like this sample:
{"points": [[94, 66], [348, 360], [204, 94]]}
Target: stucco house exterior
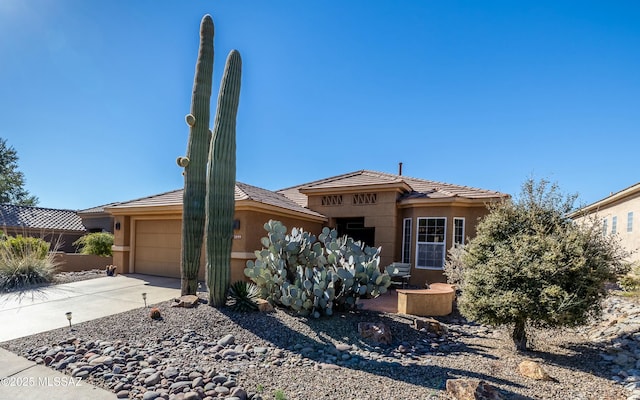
{"points": [[619, 214], [414, 221]]}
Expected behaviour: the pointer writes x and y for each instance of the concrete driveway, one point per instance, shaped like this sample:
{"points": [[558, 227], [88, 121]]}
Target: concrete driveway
{"points": [[42, 309]]}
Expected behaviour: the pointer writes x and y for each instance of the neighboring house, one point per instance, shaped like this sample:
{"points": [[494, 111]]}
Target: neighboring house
{"points": [[59, 227], [619, 214], [413, 220], [96, 219]]}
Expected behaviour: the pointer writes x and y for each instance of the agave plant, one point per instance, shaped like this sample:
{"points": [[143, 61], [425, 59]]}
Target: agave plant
{"points": [[243, 296]]}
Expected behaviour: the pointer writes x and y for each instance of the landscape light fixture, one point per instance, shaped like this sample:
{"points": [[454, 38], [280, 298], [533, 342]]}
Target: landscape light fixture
{"points": [[68, 314], [144, 297]]}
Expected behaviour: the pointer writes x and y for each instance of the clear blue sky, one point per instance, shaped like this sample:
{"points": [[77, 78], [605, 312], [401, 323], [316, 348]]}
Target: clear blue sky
{"points": [[93, 94]]}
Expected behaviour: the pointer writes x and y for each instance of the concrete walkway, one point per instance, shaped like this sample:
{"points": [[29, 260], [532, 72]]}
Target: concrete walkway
{"points": [[42, 309]]}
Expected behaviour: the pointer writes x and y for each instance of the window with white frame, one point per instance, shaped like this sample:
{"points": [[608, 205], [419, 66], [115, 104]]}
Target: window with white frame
{"points": [[406, 240], [614, 225], [430, 249], [604, 227], [630, 221], [458, 231]]}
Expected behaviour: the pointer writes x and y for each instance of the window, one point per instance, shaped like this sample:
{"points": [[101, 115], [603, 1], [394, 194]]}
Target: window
{"points": [[614, 225], [630, 221], [604, 227], [406, 240], [458, 230], [430, 249]]}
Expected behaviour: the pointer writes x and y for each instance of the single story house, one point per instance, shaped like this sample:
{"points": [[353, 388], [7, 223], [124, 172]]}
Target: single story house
{"points": [[414, 221], [618, 214], [97, 219], [59, 227]]}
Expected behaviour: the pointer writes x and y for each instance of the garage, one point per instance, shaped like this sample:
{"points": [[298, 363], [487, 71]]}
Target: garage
{"points": [[157, 247]]}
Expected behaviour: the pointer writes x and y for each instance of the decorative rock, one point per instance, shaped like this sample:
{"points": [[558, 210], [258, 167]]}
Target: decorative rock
{"points": [[150, 395], [106, 360], [329, 366], [178, 386], [191, 396], [239, 393], [222, 390], [197, 382], [533, 370], [171, 372], [123, 394], [471, 389], [153, 379], [227, 340], [430, 325], [376, 331], [188, 301], [264, 306], [343, 347]]}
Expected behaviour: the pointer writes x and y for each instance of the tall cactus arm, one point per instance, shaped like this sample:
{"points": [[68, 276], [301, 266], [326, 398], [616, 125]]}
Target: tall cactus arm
{"points": [[195, 163], [221, 183]]}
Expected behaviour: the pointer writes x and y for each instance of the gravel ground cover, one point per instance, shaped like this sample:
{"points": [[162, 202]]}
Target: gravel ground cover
{"points": [[68, 277], [204, 352]]}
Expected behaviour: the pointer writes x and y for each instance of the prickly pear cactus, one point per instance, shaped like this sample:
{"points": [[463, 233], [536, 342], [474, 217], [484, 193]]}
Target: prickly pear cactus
{"points": [[221, 185], [314, 276], [195, 163]]}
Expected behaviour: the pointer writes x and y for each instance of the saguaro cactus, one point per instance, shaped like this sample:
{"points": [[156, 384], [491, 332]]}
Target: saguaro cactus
{"points": [[195, 163], [221, 184]]}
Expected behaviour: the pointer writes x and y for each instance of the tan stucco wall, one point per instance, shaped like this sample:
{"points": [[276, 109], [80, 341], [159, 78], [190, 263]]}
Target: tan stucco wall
{"points": [[73, 262], [620, 209], [470, 212], [246, 239], [383, 216]]}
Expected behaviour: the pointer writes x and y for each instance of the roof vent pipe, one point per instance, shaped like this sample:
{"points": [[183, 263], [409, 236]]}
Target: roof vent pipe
{"points": [[400, 168]]}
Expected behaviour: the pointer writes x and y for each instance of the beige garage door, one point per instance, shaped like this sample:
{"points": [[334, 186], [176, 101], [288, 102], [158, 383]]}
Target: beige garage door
{"points": [[157, 247]]}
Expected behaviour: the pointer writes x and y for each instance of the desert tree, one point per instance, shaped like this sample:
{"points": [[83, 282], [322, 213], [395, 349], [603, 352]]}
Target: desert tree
{"points": [[12, 183], [530, 264]]}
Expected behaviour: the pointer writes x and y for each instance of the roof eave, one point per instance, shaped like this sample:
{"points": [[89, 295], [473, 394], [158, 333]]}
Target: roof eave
{"points": [[449, 201], [146, 210], [252, 205], [608, 201]]}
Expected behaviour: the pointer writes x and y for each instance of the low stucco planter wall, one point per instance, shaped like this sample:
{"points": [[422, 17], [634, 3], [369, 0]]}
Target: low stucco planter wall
{"points": [[73, 262], [432, 302]]}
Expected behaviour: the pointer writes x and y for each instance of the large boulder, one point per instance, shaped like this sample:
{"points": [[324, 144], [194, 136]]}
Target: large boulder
{"points": [[533, 370]]}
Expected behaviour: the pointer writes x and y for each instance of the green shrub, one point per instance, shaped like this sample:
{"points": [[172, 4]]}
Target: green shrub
{"points": [[25, 261], [314, 276], [243, 296], [631, 280], [98, 243], [23, 246]]}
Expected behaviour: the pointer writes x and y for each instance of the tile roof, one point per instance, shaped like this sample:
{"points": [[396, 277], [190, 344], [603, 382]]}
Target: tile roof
{"points": [[420, 188], [96, 209], [40, 218], [242, 192]]}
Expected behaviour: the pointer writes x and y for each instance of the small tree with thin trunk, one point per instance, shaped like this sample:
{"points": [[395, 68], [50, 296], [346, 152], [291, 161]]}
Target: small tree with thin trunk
{"points": [[530, 264]]}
